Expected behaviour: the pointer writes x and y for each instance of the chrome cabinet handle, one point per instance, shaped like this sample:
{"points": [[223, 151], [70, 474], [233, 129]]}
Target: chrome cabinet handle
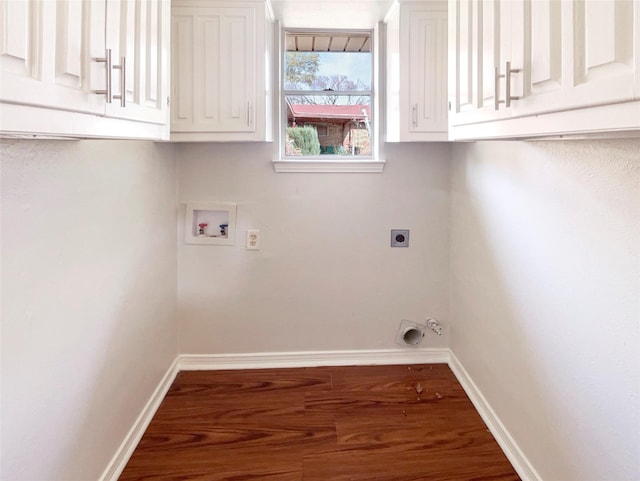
{"points": [[249, 114], [123, 82], [414, 115], [496, 88], [508, 73], [507, 84], [106, 60]]}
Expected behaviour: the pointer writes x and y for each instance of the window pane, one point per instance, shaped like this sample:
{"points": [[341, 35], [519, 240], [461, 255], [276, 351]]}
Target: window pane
{"points": [[327, 71], [328, 125], [338, 60]]}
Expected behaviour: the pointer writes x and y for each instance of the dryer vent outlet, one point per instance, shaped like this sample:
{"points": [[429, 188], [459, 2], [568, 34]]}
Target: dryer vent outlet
{"points": [[410, 333]]}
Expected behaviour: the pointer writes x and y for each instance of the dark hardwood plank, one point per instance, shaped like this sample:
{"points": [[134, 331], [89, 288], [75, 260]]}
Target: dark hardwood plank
{"points": [[365, 423], [257, 380]]}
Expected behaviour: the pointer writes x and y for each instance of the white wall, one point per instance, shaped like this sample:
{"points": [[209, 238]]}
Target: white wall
{"points": [[545, 273], [88, 299], [546, 298], [325, 278]]}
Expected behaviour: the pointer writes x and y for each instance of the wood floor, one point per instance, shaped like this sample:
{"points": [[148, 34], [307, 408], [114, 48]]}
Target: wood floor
{"points": [[369, 423]]}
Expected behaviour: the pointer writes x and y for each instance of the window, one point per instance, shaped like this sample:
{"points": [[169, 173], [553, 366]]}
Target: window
{"points": [[327, 96], [322, 129]]}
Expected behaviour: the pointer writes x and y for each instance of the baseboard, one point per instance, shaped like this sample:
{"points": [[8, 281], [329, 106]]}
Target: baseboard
{"points": [[195, 362], [121, 457], [508, 445]]}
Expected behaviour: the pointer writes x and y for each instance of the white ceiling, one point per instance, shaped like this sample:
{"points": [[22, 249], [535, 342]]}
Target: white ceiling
{"points": [[330, 13]]}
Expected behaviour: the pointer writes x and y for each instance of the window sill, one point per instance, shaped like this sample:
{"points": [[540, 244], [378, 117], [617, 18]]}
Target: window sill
{"points": [[334, 166]]}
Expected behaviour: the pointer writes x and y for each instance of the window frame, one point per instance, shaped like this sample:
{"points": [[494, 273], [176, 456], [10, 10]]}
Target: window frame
{"points": [[329, 162]]}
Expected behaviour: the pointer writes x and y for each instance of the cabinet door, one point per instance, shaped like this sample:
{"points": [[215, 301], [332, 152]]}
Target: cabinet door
{"points": [[427, 57], [138, 36], [573, 54], [537, 53], [46, 51], [479, 42], [605, 49], [214, 71]]}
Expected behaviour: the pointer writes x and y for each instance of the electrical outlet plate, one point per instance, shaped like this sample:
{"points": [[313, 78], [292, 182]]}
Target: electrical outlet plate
{"points": [[399, 237], [253, 240]]}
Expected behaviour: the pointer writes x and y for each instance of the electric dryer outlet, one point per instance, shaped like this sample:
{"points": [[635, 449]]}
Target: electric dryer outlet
{"points": [[399, 237]]}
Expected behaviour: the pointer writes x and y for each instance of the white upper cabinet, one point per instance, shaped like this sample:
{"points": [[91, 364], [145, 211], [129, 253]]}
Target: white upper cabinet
{"points": [[55, 75], [221, 86], [522, 68], [597, 64], [416, 40], [479, 43], [138, 34], [41, 50]]}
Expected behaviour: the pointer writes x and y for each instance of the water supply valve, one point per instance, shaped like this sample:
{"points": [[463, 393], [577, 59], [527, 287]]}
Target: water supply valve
{"points": [[434, 326]]}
